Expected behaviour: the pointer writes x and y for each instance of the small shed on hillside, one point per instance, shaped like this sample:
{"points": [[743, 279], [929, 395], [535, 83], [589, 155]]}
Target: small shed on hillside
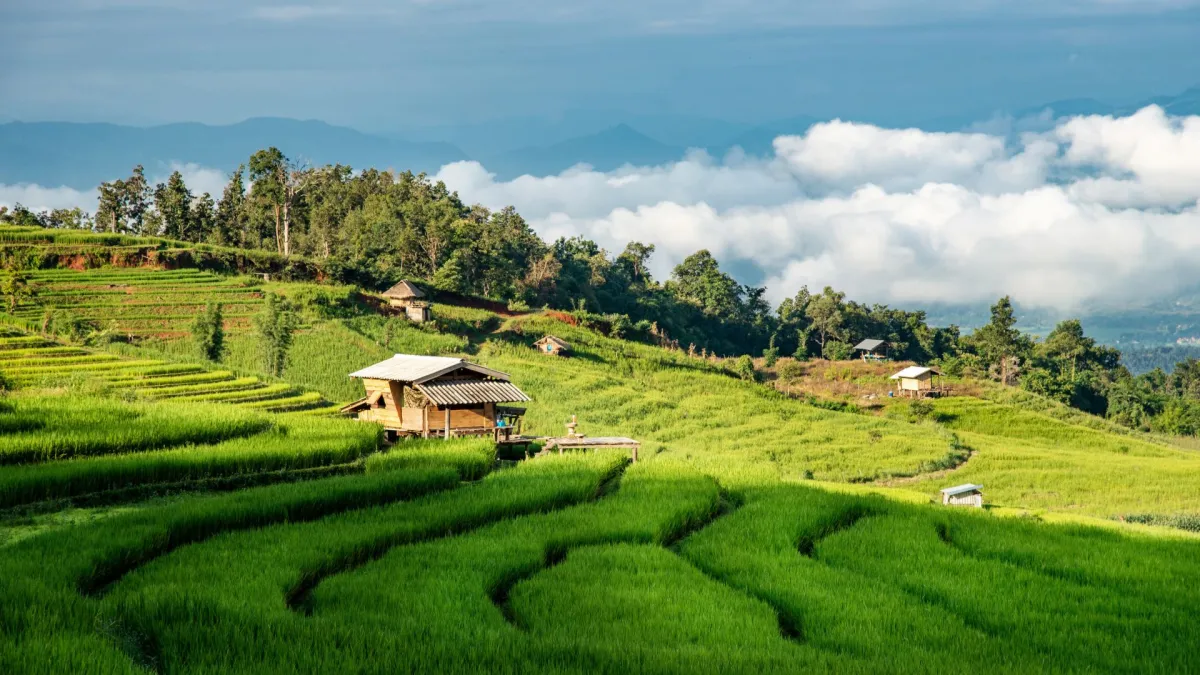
{"points": [[407, 296], [552, 345], [963, 495], [917, 382], [438, 396], [872, 350]]}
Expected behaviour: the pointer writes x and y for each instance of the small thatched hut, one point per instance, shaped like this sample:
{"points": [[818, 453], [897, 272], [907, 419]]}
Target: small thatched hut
{"points": [[407, 296], [552, 345]]}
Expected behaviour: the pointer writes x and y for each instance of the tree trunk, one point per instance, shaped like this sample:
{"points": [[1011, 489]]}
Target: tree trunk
{"points": [[287, 226], [277, 237]]}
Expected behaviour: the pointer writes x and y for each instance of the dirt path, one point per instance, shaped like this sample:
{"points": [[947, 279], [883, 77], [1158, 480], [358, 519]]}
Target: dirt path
{"points": [[932, 475]]}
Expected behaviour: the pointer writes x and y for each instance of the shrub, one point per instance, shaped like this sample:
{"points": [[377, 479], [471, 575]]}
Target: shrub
{"points": [[275, 324], [619, 326], [791, 370], [837, 351], [325, 302], [770, 356], [208, 332], [919, 410], [743, 367]]}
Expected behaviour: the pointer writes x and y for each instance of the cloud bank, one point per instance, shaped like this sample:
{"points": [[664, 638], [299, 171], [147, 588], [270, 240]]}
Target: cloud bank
{"points": [[1089, 211], [1096, 210]]}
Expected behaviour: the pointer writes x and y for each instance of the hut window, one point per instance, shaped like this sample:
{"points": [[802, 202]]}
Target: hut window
{"points": [[375, 400]]}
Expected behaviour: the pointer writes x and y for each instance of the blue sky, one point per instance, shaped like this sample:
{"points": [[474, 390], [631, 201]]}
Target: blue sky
{"points": [[392, 65]]}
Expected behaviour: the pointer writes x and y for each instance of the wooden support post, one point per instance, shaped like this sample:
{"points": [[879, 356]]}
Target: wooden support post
{"points": [[447, 424], [635, 454]]}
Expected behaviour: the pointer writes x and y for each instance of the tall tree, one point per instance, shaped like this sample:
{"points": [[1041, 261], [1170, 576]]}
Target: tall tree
{"points": [[1068, 344], [203, 218], [173, 201], [637, 255], [231, 212], [999, 343], [700, 281], [135, 199], [110, 212], [827, 313], [277, 182]]}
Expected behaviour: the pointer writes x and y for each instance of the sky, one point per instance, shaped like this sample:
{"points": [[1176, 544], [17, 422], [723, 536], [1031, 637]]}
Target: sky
{"points": [[1090, 211], [1059, 214], [400, 65]]}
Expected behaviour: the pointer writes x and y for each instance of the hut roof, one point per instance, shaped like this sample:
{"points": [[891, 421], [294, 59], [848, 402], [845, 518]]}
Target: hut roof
{"points": [[869, 345], [550, 339], [466, 392], [420, 369], [961, 489], [405, 290], [913, 372]]}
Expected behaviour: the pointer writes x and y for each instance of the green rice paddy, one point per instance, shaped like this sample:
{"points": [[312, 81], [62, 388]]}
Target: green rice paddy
{"points": [[154, 518]]}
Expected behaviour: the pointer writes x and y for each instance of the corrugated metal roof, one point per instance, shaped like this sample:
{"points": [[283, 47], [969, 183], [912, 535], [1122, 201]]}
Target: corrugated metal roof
{"points": [[868, 345], [404, 289], [960, 489], [468, 392], [912, 372], [417, 369]]}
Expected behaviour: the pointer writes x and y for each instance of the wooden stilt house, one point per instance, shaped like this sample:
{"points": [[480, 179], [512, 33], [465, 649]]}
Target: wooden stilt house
{"points": [[407, 296], [438, 396], [918, 382]]}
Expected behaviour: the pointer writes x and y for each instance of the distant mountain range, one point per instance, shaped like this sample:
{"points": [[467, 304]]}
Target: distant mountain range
{"points": [[83, 155]]}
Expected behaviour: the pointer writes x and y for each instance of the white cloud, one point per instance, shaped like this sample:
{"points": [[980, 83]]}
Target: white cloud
{"points": [[1096, 209], [37, 198], [1093, 210]]}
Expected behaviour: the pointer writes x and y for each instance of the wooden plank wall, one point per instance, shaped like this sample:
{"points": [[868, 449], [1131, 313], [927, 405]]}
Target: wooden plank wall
{"points": [[461, 418]]}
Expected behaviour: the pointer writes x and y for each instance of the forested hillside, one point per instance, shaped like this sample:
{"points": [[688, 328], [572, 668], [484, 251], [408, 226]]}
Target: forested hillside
{"points": [[371, 228]]}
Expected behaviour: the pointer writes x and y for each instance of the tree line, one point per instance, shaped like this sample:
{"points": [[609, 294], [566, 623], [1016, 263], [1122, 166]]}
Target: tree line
{"points": [[382, 226]]}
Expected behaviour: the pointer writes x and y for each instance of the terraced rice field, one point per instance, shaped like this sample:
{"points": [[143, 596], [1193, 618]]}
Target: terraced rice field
{"points": [[34, 361], [66, 447], [140, 303], [146, 529], [584, 564]]}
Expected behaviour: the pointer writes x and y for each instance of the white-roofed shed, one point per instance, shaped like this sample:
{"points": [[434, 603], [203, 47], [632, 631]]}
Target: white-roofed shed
{"points": [[968, 494]]}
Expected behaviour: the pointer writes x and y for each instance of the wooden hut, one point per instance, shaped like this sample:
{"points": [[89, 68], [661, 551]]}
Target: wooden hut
{"points": [[917, 382], [871, 350], [552, 345], [963, 495], [438, 396], [408, 297]]}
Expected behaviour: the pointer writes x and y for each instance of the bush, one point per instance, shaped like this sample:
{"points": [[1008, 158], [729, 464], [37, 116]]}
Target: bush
{"points": [[743, 367], [770, 356], [837, 351], [208, 332], [619, 325], [919, 410], [275, 324], [791, 370], [325, 302]]}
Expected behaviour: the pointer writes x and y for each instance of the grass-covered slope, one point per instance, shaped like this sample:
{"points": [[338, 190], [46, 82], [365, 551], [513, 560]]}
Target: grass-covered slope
{"points": [[153, 521]]}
